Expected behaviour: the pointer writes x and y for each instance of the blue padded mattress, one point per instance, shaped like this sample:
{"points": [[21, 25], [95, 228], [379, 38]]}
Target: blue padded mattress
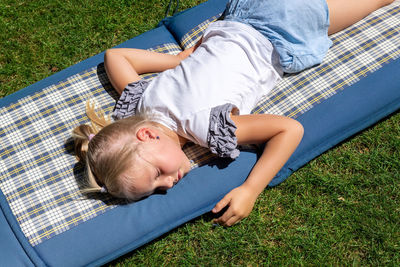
{"points": [[45, 220]]}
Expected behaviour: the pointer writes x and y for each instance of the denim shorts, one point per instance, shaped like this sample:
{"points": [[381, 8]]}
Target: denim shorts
{"points": [[298, 29]]}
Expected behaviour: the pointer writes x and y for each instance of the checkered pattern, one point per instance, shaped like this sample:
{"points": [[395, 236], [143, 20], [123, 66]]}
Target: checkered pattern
{"points": [[38, 172], [39, 175]]}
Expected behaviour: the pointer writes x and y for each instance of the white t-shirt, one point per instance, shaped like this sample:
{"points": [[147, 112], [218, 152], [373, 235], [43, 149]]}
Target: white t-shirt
{"points": [[234, 64]]}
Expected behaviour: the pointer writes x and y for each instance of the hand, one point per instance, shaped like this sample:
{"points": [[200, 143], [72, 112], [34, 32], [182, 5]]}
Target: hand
{"points": [[185, 53], [241, 202]]}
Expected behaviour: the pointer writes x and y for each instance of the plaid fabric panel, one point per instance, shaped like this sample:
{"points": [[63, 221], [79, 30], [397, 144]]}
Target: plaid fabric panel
{"points": [[39, 175], [38, 172]]}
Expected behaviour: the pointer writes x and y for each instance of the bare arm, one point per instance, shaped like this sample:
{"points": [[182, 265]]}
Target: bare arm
{"points": [[282, 135], [124, 65]]}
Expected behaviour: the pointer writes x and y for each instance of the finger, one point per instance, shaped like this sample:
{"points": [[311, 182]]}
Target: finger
{"points": [[233, 220], [221, 204], [228, 214], [229, 221]]}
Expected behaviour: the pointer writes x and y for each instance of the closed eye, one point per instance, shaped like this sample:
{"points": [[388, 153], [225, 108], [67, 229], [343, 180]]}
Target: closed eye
{"points": [[158, 174]]}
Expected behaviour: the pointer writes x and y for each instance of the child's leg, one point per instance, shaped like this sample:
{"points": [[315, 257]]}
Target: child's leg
{"points": [[343, 13]]}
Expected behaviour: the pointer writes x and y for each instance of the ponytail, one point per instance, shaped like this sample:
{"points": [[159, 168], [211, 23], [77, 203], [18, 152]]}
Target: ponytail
{"points": [[84, 132], [82, 135]]}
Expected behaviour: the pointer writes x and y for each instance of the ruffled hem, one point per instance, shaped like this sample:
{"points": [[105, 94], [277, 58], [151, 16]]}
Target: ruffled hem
{"points": [[128, 101], [221, 136]]}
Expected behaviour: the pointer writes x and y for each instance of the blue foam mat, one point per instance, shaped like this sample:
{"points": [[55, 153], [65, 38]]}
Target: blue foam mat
{"points": [[319, 136], [66, 248], [101, 240], [15, 249]]}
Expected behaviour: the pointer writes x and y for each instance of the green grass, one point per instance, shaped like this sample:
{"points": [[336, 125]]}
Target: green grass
{"points": [[342, 208]]}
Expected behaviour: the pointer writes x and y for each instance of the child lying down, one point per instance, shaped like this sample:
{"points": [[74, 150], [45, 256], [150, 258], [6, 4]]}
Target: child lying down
{"points": [[205, 95]]}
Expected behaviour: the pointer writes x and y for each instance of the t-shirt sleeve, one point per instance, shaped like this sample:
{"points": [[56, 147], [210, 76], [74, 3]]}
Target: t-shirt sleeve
{"points": [[128, 101], [221, 136]]}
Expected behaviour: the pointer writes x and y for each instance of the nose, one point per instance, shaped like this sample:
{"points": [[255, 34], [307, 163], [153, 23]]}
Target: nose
{"points": [[166, 182]]}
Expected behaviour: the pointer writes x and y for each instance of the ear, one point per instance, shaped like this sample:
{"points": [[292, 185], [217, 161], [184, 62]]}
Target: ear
{"points": [[146, 134]]}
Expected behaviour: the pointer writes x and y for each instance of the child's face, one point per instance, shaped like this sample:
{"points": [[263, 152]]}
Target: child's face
{"points": [[163, 164]]}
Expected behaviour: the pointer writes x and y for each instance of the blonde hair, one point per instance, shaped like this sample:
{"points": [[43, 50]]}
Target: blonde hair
{"points": [[104, 162]]}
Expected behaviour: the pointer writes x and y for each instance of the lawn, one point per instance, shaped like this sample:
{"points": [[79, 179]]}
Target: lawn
{"points": [[342, 208]]}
